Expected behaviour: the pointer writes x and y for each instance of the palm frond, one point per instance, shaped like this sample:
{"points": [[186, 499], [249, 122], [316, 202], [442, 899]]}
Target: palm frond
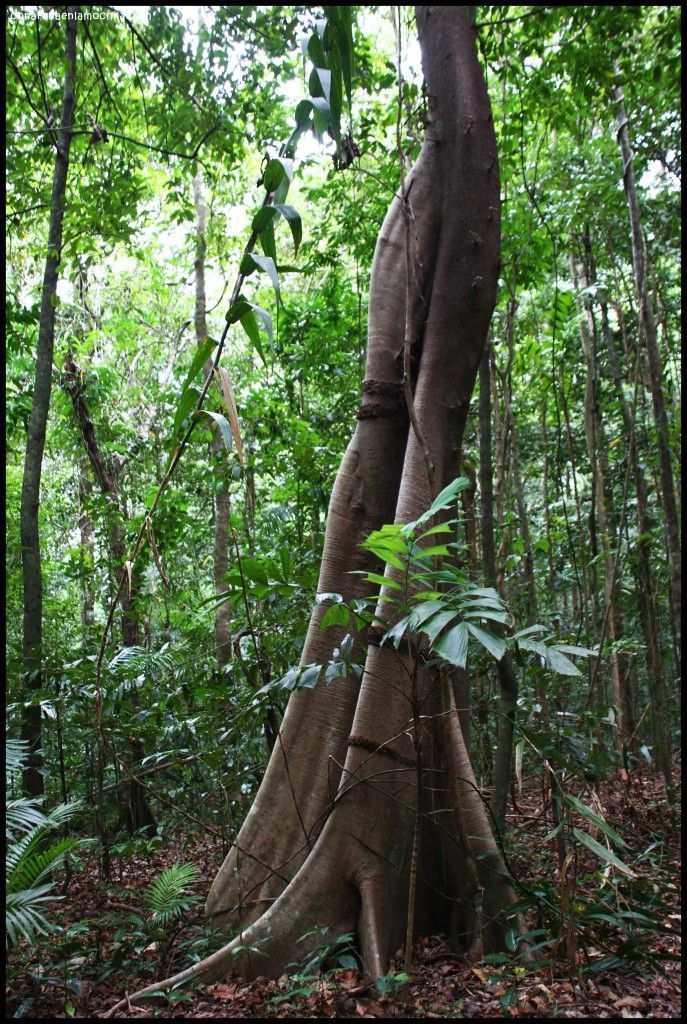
{"points": [[22, 916], [168, 895], [22, 815], [29, 866], [15, 754]]}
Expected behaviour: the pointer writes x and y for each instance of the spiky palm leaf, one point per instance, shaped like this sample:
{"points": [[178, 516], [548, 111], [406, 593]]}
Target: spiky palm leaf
{"points": [[30, 857], [168, 895], [22, 916], [28, 864], [22, 815]]}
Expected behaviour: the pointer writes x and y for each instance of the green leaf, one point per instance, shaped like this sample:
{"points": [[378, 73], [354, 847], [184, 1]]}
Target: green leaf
{"points": [[293, 219], [308, 676], [337, 615], [265, 215], [188, 401], [485, 613], [252, 261], [453, 646], [220, 421], [439, 528], [600, 822], [246, 312], [496, 645], [276, 171], [602, 852], [382, 581], [203, 353], [435, 551], [583, 652], [268, 241], [443, 500], [324, 77], [425, 611], [559, 663], [435, 625]]}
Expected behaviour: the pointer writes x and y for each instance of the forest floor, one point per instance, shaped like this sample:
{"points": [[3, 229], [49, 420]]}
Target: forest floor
{"points": [[106, 948]]}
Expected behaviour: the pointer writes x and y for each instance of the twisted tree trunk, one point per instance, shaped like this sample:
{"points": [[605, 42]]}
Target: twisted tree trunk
{"points": [[342, 876], [329, 841]]}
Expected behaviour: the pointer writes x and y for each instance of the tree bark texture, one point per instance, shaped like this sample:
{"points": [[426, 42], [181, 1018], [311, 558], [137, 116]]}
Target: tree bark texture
{"points": [[597, 448], [220, 499], [508, 685], [38, 420], [328, 840]]}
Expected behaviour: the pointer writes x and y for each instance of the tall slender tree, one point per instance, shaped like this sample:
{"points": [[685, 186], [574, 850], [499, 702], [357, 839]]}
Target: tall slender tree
{"points": [[40, 404]]}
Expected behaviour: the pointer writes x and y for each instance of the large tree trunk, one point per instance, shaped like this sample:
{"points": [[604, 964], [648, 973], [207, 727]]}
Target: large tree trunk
{"points": [[308, 854], [38, 420]]}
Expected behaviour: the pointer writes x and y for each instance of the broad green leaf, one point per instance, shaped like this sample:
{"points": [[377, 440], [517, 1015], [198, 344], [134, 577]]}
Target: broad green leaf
{"points": [[277, 169], [265, 215], [293, 219], [444, 499], [383, 581], [265, 263], [453, 646], [439, 622], [425, 611], [586, 812], [528, 631], [439, 528], [337, 615], [203, 353], [221, 422], [324, 77], [308, 676], [485, 613], [602, 852], [396, 633], [583, 652], [188, 401], [496, 645], [435, 551], [559, 663], [250, 326]]}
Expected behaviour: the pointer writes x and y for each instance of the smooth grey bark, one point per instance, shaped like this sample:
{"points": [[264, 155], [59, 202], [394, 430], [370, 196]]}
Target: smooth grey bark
{"points": [[221, 507], [35, 443], [647, 321]]}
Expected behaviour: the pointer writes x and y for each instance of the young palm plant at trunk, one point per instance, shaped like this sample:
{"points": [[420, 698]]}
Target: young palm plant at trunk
{"points": [[355, 790]]}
